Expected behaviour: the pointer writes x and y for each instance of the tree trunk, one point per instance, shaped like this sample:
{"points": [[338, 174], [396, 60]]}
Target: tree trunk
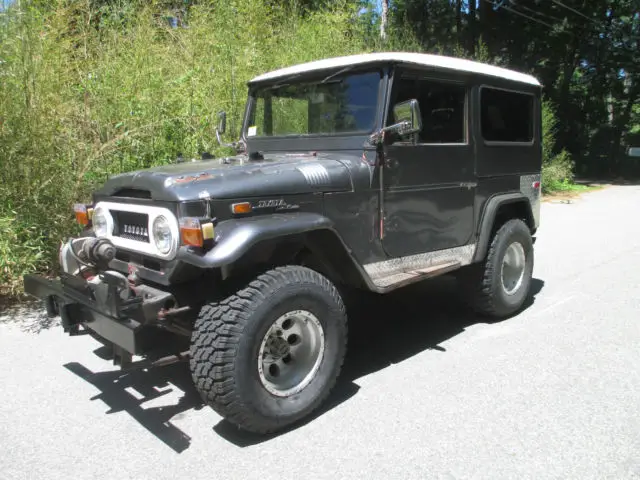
{"points": [[459, 21], [473, 32], [384, 19]]}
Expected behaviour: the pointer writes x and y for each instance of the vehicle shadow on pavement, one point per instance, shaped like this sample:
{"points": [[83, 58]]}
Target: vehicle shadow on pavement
{"points": [[420, 317], [115, 391], [384, 330]]}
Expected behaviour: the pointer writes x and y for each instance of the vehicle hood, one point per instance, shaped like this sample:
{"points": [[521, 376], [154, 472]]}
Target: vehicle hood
{"points": [[234, 177]]}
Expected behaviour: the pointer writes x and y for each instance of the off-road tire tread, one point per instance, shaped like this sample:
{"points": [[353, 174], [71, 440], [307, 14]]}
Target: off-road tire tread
{"points": [[217, 332], [479, 282]]}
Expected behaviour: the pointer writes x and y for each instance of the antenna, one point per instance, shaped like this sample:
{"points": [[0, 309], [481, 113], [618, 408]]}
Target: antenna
{"points": [[233, 96]]}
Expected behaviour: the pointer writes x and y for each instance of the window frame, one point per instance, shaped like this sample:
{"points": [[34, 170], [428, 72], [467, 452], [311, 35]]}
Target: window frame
{"points": [[418, 75], [503, 143]]}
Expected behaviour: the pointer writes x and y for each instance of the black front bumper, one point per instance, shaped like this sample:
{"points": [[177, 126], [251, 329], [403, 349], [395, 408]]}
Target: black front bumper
{"points": [[124, 323]]}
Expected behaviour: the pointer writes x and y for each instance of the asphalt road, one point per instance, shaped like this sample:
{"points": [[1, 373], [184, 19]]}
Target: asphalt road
{"points": [[434, 393]]}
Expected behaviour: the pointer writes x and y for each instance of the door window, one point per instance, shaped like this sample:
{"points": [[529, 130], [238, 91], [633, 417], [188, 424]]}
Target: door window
{"points": [[442, 106]]}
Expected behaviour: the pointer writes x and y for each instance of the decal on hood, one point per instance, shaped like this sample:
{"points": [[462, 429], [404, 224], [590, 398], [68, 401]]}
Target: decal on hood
{"points": [[188, 179]]}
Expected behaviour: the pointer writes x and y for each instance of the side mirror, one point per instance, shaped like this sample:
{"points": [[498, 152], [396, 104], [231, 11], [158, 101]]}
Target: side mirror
{"points": [[221, 128], [408, 120], [407, 117], [222, 122]]}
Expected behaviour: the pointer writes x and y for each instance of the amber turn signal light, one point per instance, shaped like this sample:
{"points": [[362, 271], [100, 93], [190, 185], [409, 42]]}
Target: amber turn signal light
{"points": [[83, 214], [196, 233], [241, 208], [190, 232]]}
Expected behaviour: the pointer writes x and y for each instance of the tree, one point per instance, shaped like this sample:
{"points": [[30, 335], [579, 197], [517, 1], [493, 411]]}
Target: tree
{"points": [[585, 53], [384, 18]]}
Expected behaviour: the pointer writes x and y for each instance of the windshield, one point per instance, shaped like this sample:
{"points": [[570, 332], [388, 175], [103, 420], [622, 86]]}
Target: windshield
{"points": [[338, 105]]}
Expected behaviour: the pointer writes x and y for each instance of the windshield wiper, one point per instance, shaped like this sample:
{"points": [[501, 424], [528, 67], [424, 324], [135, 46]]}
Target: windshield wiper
{"points": [[339, 72], [285, 83], [287, 79]]}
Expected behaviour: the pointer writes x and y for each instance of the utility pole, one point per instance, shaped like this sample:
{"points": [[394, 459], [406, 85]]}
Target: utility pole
{"points": [[384, 19]]}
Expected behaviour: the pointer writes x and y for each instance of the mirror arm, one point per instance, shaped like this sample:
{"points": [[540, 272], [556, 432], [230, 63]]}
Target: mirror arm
{"points": [[219, 138], [377, 137], [238, 146]]}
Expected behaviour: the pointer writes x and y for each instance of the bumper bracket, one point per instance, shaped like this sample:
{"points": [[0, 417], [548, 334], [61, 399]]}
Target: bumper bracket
{"points": [[102, 308]]}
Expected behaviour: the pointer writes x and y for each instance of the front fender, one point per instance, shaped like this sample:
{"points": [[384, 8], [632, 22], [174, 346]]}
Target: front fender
{"points": [[235, 237]]}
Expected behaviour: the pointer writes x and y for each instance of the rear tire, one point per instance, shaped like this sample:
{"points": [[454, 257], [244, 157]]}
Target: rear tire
{"points": [[268, 355], [499, 286]]}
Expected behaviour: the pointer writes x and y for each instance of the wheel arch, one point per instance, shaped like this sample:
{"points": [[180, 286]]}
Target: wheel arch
{"points": [[498, 210], [321, 250], [270, 241]]}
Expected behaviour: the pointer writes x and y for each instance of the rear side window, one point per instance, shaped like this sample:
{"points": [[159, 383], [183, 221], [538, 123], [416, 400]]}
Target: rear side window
{"points": [[506, 116]]}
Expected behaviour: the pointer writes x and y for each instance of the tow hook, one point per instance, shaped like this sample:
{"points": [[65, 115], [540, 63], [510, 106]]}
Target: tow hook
{"points": [[123, 359], [172, 312]]}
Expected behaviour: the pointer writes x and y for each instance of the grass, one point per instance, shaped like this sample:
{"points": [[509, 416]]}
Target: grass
{"points": [[570, 187], [566, 189]]}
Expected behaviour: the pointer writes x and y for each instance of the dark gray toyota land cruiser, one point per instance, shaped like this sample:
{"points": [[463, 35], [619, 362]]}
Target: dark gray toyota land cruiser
{"points": [[367, 172]]}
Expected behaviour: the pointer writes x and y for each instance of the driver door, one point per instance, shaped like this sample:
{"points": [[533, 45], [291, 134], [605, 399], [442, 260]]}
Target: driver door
{"points": [[429, 177]]}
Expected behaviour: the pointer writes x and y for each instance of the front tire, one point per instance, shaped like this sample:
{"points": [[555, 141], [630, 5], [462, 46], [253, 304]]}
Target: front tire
{"points": [[499, 286], [269, 355]]}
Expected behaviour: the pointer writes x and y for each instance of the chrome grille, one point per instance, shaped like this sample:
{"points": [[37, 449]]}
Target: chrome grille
{"points": [[131, 225]]}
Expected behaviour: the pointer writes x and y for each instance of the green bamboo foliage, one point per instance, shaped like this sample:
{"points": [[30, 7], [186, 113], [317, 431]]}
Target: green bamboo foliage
{"points": [[91, 88]]}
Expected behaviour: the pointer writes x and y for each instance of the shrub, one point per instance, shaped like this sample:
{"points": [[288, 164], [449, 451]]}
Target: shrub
{"points": [[557, 173], [21, 252], [549, 130], [557, 168]]}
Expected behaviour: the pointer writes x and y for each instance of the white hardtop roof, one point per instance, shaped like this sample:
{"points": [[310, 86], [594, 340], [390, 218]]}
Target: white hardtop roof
{"points": [[424, 59]]}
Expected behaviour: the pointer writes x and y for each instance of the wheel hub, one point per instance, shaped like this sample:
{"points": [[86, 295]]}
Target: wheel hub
{"points": [[277, 347], [513, 267], [291, 353]]}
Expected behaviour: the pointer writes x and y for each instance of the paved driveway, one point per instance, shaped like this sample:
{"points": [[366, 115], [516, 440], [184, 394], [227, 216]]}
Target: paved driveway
{"points": [[433, 393]]}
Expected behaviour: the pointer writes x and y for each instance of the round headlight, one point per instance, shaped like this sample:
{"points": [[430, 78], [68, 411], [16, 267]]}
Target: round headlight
{"points": [[162, 235], [100, 222]]}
